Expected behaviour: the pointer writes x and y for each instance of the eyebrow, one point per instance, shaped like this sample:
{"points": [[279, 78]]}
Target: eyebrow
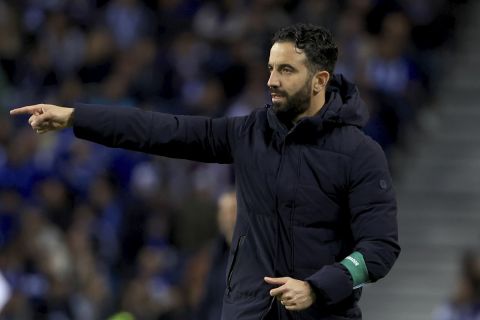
{"points": [[282, 66]]}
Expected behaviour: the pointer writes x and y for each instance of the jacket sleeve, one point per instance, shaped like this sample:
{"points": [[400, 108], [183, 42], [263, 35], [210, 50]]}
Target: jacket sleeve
{"points": [[373, 210], [373, 222], [187, 137]]}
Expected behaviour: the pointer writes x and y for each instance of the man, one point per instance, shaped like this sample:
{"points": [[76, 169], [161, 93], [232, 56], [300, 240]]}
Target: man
{"points": [[316, 209], [465, 301], [210, 306]]}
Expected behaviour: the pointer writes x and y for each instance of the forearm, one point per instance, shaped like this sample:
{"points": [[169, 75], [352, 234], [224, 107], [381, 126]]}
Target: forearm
{"points": [[187, 137], [376, 248]]}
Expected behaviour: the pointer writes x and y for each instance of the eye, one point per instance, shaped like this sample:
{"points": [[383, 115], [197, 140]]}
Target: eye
{"points": [[287, 70]]}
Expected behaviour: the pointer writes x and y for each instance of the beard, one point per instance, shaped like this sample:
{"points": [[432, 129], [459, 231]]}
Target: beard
{"points": [[292, 105]]}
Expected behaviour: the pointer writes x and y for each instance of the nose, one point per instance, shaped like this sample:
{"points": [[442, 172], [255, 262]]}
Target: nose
{"points": [[273, 80]]}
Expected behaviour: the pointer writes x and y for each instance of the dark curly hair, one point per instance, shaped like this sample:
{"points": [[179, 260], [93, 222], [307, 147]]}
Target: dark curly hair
{"points": [[317, 43]]}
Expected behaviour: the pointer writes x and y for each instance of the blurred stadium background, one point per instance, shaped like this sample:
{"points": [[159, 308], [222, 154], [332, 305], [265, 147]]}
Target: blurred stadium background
{"points": [[87, 232]]}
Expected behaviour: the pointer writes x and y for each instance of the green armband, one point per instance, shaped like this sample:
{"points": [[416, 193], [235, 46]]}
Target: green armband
{"points": [[357, 268], [122, 316]]}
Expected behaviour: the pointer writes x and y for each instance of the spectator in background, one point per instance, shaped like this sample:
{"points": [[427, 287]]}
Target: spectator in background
{"points": [[392, 78], [34, 72], [150, 294], [19, 171], [223, 20], [99, 53], [10, 201], [355, 44], [56, 201], [43, 277], [315, 11], [128, 20], [93, 298], [4, 292], [64, 42], [210, 307], [465, 301], [108, 219], [10, 49]]}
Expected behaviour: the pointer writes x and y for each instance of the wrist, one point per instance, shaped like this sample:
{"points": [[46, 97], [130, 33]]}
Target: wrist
{"points": [[356, 266], [313, 295], [70, 116]]}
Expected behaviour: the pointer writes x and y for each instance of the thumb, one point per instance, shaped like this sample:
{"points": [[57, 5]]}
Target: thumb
{"points": [[41, 119], [276, 281]]}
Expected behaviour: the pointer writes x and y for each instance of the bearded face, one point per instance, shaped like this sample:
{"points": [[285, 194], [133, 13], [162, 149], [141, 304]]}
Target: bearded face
{"points": [[290, 105], [290, 81]]}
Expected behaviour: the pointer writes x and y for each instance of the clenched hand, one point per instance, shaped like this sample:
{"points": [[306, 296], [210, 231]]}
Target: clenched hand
{"points": [[294, 294], [46, 117]]}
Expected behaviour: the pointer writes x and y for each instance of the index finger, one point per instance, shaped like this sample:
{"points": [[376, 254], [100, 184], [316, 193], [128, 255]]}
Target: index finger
{"points": [[278, 281], [37, 108]]}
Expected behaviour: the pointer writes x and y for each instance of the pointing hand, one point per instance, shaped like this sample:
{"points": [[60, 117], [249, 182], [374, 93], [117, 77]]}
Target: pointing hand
{"points": [[46, 117]]}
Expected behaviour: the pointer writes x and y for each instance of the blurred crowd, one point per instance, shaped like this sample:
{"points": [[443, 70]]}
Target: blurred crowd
{"points": [[87, 232], [464, 301]]}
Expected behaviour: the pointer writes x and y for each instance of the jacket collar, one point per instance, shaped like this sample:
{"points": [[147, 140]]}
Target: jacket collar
{"points": [[343, 107], [316, 121]]}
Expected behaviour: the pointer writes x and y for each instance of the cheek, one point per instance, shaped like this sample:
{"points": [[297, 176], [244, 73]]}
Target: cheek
{"points": [[296, 84], [291, 83]]}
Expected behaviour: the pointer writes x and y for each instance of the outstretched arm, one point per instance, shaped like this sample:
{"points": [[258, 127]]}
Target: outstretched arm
{"points": [[187, 137]]}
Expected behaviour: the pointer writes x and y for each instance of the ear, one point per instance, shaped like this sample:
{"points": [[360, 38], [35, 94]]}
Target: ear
{"points": [[320, 80]]}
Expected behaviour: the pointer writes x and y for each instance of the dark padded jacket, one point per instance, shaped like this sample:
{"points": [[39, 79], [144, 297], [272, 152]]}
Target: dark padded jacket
{"points": [[307, 197]]}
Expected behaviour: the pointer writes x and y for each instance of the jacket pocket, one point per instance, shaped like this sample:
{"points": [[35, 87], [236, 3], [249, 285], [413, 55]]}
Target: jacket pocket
{"points": [[231, 270]]}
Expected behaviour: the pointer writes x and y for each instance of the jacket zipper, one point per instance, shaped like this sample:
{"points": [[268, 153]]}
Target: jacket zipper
{"points": [[278, 173], [292, 212], [264, 314], [292, 239]]}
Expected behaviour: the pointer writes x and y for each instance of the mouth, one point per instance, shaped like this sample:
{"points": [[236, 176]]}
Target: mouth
{"points": [[277, 97]]}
